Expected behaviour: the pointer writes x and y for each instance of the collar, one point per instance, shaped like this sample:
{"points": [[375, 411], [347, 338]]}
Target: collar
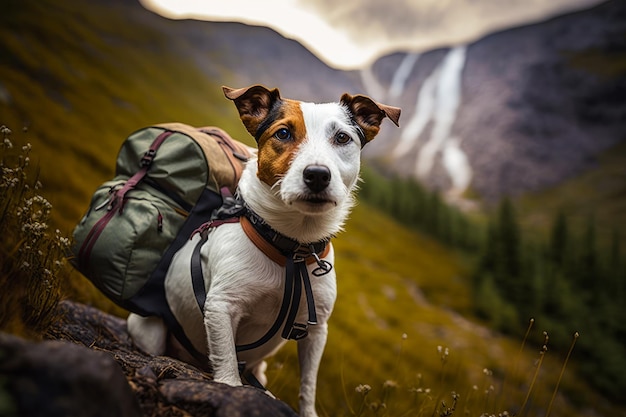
{"points": [[277, 246], [273, 244]]}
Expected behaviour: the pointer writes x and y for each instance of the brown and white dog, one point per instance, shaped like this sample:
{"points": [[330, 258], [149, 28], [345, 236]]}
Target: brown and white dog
{"points": [[301, 184]]}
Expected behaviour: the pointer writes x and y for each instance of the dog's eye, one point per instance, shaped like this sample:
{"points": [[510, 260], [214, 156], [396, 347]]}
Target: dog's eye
{"points": [[342, 138], [283, 134]]}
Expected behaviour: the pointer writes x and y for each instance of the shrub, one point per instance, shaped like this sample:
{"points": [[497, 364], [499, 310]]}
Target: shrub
{"points": [[31, 257]]}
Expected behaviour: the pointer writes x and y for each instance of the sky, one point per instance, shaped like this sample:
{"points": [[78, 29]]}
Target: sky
{"points": [[351, 34]]}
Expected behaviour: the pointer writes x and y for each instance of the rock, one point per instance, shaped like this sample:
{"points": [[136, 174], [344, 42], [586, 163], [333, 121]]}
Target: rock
{"points": [[91, 368], [59, 378]]}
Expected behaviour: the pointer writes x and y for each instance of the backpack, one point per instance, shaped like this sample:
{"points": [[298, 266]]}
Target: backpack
{"points": [[167, 183]]}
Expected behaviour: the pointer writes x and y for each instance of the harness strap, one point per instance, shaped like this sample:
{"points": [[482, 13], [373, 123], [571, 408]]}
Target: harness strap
{"points": [[197, 277], [308, 292], [282, 313], [250, 378], [289, 332], [177, 330], [280, 249]]}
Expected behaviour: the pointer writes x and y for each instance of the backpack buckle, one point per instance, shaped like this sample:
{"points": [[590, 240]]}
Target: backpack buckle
{"points": [[146, 159], [230, 208]]}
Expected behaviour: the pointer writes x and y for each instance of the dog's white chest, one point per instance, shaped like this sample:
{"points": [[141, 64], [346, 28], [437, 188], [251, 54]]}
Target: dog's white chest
{"points": [[245, 281]]}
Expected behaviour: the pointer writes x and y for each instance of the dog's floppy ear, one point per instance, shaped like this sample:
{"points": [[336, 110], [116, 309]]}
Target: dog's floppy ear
{"points": [[253, 103], [368, 114]]}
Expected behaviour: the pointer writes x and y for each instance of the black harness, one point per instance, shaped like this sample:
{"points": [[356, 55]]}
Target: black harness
{"points": [[296, 256]]}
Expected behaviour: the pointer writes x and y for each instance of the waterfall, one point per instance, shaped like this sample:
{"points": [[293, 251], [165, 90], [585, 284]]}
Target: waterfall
{"points": [[457, 165], [424, 109], [437, 104], [402, 75], [438, 101], [447, 96]]}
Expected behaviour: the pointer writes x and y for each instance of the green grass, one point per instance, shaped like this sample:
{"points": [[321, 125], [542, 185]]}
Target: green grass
{"points": [[82, 76], [393, 282]]}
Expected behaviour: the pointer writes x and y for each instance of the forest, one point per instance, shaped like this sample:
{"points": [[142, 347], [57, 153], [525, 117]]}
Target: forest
{"points": [[567, 279]]}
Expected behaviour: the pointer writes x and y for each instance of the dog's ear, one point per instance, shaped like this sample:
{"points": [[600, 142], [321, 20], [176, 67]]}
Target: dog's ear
{"points": [[368, 114], [253, 103]]}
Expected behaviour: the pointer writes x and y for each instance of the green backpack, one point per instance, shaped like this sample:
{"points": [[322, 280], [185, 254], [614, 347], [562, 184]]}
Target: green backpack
{"points": [[168, 182]]}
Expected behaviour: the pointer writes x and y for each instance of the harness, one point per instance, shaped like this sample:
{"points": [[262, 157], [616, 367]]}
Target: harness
{"points": [[282, 250]]}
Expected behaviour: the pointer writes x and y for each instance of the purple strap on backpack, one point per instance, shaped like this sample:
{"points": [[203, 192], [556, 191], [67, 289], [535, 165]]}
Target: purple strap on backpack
{"points": [[118, 198]]}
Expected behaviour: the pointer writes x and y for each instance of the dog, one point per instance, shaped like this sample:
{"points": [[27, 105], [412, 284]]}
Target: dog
{"points": [[300, 185]]}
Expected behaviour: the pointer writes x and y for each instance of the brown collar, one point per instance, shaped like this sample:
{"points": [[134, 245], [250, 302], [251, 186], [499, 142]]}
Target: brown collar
{"points": [[277, 254]]}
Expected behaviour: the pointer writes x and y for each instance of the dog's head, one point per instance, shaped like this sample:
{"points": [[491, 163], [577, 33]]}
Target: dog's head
{"points": [[309, 152]]}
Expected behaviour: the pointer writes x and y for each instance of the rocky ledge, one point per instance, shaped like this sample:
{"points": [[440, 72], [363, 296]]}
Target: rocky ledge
{"points": [[89, 367]]}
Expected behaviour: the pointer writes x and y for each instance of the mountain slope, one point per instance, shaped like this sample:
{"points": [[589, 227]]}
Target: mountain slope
{"points": [[516, 111], [604, 201], [80, 79]]}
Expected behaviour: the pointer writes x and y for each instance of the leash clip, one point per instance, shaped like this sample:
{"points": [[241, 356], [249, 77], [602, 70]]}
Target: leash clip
{"points": [[323, 267], [202, 229]]}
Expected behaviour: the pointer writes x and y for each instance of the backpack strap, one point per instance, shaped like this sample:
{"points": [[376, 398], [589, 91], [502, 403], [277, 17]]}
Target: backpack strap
{"points": [[151, 300], [117, 199], [236, 153]]}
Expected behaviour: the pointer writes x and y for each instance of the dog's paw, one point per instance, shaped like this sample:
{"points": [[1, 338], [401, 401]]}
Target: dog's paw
{"points": [[259, 372], [308, 413], [232, 381]]}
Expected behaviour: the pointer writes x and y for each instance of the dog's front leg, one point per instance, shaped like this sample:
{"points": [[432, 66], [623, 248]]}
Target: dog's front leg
{"points": [[220, 325], [310, 350]]}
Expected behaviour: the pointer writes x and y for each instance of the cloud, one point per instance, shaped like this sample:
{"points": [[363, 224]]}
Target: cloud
{"points": [[350, 34]]}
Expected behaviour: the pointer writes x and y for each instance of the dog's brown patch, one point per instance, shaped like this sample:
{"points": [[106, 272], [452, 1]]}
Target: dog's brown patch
{"points": [[275, 155]]}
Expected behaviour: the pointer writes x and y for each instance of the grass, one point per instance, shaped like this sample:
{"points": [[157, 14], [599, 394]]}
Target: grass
{"points": [[32, 258], [412, 349], [75, 78], [82, 76]]}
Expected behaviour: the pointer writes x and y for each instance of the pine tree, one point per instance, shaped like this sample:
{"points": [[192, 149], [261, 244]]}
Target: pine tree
{"points": [[616, 270], [508, 245], [588, 277], [558, 240], [513, 267]]}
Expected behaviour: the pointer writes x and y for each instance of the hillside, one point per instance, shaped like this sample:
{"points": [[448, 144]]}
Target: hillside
{"points": [[100, 71], [82, 76], [604, 191], [519, 110]]}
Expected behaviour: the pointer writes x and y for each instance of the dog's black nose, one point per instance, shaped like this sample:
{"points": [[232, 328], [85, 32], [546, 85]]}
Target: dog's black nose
{"points": [[316, 177]]}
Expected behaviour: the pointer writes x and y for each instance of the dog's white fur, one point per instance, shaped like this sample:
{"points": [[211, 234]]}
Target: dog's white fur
{"points": [[245, 287]]}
